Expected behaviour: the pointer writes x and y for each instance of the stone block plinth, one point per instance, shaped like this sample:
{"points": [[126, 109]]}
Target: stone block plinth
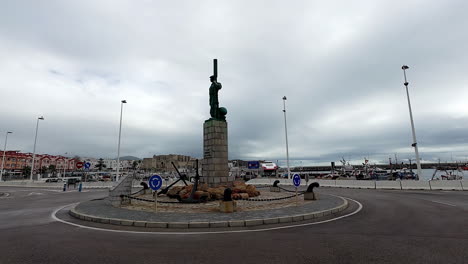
{"points": [[310, 196], [227, 206], [274, 189], [215, 170]]}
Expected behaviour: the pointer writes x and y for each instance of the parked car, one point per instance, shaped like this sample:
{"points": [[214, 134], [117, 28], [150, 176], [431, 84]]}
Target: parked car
{"points": [[52, 180]]}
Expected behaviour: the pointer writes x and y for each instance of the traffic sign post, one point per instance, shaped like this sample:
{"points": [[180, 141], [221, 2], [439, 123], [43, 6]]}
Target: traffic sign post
{"points": [[155, 183], [86, 167], [79, 165], [297, 183]]}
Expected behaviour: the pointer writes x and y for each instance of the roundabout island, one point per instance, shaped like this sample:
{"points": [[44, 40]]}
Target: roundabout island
{"points": [[270, 207]]}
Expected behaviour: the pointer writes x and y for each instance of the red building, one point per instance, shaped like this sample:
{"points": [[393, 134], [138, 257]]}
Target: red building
{"points": [[15, 161]]}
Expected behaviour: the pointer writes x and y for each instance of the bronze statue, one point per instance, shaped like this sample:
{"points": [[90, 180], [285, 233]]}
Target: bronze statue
{"points": [[216, 112]]}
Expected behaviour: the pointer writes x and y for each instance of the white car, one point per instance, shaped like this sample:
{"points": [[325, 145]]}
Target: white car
{"points": [[269, 166]]}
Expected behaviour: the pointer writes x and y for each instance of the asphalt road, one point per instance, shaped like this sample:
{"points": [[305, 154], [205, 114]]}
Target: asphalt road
{"points": [[392, 227]]}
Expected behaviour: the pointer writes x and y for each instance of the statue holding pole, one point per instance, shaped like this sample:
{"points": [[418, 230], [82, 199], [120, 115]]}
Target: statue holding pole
{"points": [[216, 112]]}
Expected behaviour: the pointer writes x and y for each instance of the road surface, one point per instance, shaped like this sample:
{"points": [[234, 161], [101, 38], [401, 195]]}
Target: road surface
{"points": [[392, 227]]}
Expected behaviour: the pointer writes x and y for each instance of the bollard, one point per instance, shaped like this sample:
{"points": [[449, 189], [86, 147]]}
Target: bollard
{"points": [[309, 194], [227, 205], [275, 187], [80, 186], [64, 186]]}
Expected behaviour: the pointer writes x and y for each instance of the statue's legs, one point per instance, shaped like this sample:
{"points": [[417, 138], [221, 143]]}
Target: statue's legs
{"points": [[214, 111]]}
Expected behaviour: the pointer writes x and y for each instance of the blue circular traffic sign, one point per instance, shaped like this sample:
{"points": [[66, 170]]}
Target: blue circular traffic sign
{"points": [[87, 165], [296, 180], [155, 182]]}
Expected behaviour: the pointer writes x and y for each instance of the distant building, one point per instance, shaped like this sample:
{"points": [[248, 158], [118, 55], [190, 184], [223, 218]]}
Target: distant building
{"points": [[163, 163], [16, 161], [111, 164]]}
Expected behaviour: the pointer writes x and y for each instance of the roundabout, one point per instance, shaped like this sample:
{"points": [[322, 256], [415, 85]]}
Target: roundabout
{"points": [[388, 227]]}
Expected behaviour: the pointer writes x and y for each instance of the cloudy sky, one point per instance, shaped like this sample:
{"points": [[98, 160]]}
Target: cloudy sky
{"points": [[338, 63]]}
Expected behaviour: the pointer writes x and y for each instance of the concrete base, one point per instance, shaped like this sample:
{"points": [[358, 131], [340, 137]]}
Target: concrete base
{"points": [[275, 189], [310, 196], [227, 207], [215, 170]]}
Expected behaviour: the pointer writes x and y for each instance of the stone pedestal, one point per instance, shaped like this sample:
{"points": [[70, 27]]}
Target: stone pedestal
{"points": [[227, 206], [215, 170], [310, 196], [274, 189]]}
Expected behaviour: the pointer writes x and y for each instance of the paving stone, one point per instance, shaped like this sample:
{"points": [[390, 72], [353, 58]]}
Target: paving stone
{"points": [[114, 221], [126, 223], [318, 214], [139, 223], [297, 218], [156, 224], [199, 224], [236, 223], [268, 221], [308, 216], [105, 221], [285, 219], [219, 224], [178, 225], [253, 222]]}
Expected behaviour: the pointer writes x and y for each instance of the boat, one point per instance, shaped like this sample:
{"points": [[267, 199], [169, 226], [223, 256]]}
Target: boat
{"points": [[448, 175], [346, 168], [405, 174], [379, 174]]}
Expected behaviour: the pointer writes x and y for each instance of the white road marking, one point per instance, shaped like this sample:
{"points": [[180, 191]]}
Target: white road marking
{"points": [[53, 215], [35, 193], [443, 203], [5, 195]]}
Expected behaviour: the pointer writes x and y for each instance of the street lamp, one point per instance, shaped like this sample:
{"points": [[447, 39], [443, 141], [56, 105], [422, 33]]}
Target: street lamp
{"points": [[286, 133], [120, 132], [34, 150], [4, 150], [415, 145]]}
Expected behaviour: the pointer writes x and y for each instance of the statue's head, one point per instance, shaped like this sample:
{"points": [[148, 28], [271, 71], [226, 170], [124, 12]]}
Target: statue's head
{"points": [[212, 78]]}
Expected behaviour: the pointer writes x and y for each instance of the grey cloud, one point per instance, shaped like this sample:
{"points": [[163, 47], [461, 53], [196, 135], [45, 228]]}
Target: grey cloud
{"points": [[338, 64]]}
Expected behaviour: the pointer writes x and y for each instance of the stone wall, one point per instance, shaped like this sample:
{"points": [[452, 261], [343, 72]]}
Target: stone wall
{"points": [[123, 186], [215, 170]]}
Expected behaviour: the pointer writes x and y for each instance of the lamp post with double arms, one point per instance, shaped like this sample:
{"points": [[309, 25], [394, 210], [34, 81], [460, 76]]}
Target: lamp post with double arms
{"points": [[286, 133], [4, 151], [415, 144], [118, 147], [34, 150]]}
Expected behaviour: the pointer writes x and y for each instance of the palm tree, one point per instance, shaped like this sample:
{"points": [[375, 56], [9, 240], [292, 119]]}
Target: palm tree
{"points": [[26, 171], [134, 165], [43, 170], [52, 169], [100, 164]]}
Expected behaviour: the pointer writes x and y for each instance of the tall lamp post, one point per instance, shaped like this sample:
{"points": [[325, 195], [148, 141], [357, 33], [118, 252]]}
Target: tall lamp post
{"points": [[286, 133], [415, 145], [4, 150], [34, 150], [118, 147]]}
